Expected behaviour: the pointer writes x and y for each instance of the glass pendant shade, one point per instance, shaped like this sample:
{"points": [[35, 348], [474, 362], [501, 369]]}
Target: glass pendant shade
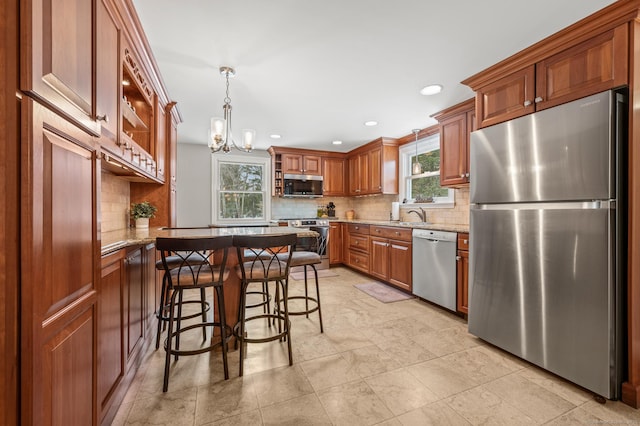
{"points": [[248, 137], [416, 169]]}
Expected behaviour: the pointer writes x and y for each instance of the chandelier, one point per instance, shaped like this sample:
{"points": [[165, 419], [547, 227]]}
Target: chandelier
{"points": [[416, 168], [221, 137]]}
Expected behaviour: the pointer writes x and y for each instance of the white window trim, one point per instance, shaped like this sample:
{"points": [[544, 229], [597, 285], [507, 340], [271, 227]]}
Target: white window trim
{"points": [[216, 159], [406, 151]]}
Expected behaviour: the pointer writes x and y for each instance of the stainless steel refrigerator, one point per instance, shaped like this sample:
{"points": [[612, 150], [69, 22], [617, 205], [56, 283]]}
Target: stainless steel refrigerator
{"points": [[547, 239]]}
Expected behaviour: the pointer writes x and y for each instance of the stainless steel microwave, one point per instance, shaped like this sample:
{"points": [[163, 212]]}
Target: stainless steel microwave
{"points": [[302, 185]]}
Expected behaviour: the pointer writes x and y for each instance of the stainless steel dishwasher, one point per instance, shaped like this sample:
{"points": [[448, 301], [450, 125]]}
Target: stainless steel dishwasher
{"points": [[434, 266]]}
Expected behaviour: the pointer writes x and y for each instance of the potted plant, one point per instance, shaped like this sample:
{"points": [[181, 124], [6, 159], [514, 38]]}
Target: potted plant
{"points": [[141, 212]]}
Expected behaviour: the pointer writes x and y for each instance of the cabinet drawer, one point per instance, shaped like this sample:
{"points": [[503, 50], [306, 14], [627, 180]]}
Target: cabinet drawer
{"points": [[391, 232], [359, 260], [463, 241], [359, 242], [358, 228]]}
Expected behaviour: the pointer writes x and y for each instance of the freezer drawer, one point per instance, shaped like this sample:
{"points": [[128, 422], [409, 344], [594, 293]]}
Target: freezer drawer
{"points": [[542, 287]]}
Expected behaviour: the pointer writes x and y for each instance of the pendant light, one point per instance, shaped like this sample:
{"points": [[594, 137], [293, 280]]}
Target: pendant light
{"points": [[416, 168]]}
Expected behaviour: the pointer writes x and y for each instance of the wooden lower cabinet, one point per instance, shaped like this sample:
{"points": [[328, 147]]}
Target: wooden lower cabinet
{"points": [[462, 273], [335, 243], [126, 322]]}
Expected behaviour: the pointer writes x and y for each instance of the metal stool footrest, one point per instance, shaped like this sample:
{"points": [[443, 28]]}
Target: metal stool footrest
{"points": [[173, 351], [307, 312], [164, 316], [280, 335]]}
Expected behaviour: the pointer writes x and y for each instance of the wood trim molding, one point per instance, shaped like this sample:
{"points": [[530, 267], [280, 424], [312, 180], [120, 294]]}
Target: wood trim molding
{"points": [[423, 133], [606, 19], [465, 106]]}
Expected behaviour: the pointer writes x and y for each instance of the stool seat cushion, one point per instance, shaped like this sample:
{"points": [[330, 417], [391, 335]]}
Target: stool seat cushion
{"points": [[301, 258], [262, 271], [197, 276]]}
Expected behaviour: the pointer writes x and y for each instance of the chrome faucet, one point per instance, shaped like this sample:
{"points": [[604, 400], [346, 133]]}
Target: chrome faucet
{"points": [[421, 214]]}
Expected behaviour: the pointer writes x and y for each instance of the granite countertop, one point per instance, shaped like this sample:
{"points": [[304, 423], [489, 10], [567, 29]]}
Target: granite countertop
{"points": [[417, 225], [115, 240]]}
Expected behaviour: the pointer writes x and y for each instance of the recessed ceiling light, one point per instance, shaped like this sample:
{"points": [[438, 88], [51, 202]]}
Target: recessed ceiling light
{"points": [[431, 89], [370, 123], [275, 136], [337, 142]]}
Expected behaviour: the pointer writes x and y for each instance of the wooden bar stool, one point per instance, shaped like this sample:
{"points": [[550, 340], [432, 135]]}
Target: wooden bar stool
{"points": [[263, 259], [202, 265]]}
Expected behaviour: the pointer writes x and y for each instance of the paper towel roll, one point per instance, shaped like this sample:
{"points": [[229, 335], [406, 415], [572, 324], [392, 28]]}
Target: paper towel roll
{"points": [[395, 210]]}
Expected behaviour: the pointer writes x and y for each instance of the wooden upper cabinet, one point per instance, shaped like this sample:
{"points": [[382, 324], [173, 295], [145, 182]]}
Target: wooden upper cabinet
{"points": [[509, 97], [333, 176], [572, 69], [57, 58], [456, 124], [590, 67], [373, 168], [302, 164], [108, 77]]}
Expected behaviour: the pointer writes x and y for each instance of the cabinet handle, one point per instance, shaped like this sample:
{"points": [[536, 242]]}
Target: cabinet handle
{"points": [[104, 118], [466, 174], [127, 146], [527, 103], [462, 175], [538, 99], [397, 233], [377, 230], [466, 241], [357, 227], [458, 258], [136, 154]]}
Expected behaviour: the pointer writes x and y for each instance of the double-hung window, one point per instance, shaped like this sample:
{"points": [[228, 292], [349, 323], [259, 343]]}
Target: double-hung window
{"points": [[424, 187], [240, 189]]}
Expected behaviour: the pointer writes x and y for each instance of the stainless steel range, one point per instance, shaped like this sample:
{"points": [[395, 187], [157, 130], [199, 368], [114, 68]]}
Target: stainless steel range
{"points": [[321, 245]]}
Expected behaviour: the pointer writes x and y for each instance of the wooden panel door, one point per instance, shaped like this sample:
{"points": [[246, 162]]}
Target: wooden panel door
{"points": [[453, 150], [334, 176], [374, 163], [59, 271], [354, 175], [160, 147], [151, 298], [292, 163], [57, 57], [400, 257], [462, 281], [110, 321], [134, 302], [379, 258], [108, 77], [335, 243], [510, 97], [590, 67], [312, 165]]}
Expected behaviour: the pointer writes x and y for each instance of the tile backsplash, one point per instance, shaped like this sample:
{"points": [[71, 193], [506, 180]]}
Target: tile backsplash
{"points": [[114, 203], [375, 207]]}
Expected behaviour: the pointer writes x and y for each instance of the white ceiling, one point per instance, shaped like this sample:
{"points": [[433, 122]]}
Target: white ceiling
{"points": [[315, 71]]}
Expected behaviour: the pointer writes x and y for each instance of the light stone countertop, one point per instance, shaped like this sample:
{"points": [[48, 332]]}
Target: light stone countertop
{"points": [[115, 240], [417, 225]]}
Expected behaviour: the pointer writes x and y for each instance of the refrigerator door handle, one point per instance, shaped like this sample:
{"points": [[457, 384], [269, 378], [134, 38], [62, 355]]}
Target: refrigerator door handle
{"points": [[575, 205]]}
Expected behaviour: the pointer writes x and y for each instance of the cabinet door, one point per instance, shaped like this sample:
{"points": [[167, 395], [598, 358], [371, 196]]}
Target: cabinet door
{"points": [[590, 67], [471, 127], [400, 264], [379, 255], [57, 40], [374, 163], [510, 97], [110, 358], [354, 175], [312, 165], [335, 243], [453, 150], [462, 281], [161, 141], [134, 302], [333, 176], [149, 264], [60, 269], [108, 77], [292, 163]]}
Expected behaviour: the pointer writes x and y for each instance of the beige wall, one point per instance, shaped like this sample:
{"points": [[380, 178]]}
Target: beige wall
{"points": [[114, 203]]}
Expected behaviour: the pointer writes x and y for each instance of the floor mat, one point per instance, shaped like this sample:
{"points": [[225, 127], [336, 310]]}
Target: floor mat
{"points": [[383, 292], [299, 276]]}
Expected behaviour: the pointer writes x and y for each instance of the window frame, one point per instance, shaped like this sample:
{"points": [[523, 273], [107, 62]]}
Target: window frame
{"points": [[426, 144], [216, 160]]}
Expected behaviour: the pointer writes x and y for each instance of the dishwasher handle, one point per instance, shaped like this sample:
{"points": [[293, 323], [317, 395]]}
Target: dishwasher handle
{"points": [[426, 238]]}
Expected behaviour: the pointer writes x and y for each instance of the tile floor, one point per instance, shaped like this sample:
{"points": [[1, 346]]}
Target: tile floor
{"points": [[402, 363]]}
